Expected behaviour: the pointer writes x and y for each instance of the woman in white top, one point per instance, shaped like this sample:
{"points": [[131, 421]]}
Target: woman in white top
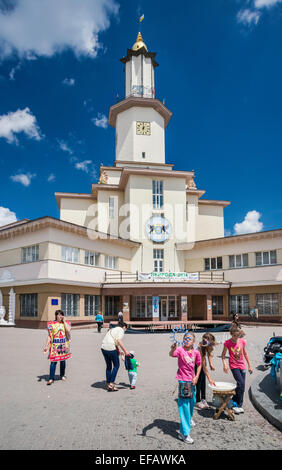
{"points": [[110, 350]]}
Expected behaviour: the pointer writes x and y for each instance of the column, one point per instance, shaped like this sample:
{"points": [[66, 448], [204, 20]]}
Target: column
{"points": [[208, 307], [125, 308], [226, 306]]}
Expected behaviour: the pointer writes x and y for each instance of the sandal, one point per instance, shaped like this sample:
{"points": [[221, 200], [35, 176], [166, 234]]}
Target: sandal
{"points": [[50, 382], [63, 378], [112, 388]]}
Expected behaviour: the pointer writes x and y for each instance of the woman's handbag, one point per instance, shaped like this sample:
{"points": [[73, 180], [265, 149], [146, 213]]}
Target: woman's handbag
{"points": [[185, 390]]}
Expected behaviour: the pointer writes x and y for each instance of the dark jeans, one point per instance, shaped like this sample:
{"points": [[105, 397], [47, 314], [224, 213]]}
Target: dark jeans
{"points": [[99, 324], [112, 362], [240, 377], [53, 366], [201, 387]]}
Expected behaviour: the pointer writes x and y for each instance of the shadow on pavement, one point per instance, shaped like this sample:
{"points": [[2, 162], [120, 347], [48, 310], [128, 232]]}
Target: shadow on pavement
{"points": [[167, 427]]}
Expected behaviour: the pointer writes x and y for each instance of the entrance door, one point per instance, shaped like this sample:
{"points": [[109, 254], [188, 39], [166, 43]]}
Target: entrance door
{"points": [[164, 313]]}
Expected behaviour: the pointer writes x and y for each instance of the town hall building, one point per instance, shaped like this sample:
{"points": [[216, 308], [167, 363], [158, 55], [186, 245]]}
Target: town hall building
{"points": [[144, 240]]}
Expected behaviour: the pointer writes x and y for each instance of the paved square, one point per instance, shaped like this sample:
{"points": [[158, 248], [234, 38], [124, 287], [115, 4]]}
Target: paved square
{"points": [[81, 414]]}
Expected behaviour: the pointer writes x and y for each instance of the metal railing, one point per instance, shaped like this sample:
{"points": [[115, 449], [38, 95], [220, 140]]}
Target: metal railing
{"points": [[202, 276]]}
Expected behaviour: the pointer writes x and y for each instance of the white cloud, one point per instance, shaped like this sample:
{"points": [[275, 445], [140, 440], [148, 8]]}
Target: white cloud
{"points": [[21, 120], [83, 165], [7, 216], [65, 147], [51, 178], [250, 224], [24, 179], [68, 81], [33, 28], [248, 17], [266, 3], [251, 16], [101, 121]]}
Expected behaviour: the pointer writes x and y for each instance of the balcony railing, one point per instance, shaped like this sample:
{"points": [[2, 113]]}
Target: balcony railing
{"points": [[201, 276]]}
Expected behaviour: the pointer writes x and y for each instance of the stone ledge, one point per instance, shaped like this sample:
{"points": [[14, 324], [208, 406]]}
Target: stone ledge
{"points": [[265, 397]]}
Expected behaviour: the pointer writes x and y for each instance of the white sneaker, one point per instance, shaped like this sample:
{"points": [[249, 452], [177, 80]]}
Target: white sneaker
{"points": [[205, 404], [188, 440], [241, 410], [193, 424], [236, 410]]}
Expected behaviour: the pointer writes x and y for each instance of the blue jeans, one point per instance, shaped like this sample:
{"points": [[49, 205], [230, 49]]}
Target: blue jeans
{"points": [[53, 366], [240, 377], [112, 363], [132, 378], [186, 409]]}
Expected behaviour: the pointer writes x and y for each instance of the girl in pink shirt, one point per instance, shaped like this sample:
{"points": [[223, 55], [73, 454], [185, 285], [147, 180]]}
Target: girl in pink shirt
{"points": [[236, 347], [188, 357]]}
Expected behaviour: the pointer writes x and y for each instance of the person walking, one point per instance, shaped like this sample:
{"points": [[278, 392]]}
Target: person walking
{"points": [[110, 349], [100, 320], [58, 345], [236, 347]]}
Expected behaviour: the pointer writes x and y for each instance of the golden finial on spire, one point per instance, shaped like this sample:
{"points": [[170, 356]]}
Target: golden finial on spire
{"points": [[139, 41]]}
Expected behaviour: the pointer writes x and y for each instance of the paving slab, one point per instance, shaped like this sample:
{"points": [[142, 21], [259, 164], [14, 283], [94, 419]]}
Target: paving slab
{"points": [[81, 414]]}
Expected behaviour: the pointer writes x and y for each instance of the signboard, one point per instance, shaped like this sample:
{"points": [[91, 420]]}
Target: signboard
{"points": [[54, 302], [158, 229], [156, 308], [168, 276]]}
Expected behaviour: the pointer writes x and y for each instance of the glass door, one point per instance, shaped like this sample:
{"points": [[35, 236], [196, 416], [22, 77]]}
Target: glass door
{"points": [[164, 312]]}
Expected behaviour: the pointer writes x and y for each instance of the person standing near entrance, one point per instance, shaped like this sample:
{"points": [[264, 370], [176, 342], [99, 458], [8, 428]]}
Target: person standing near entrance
{"points": [[120, 316], [205, 348], [110, 349], [58, 342]]}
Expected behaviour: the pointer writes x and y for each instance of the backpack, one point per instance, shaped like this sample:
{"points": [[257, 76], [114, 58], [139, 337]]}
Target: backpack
{"points": [[128, 363]]}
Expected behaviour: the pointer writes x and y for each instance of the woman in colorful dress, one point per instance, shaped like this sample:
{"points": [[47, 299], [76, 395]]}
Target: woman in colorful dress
{"points": [[58, 343]]}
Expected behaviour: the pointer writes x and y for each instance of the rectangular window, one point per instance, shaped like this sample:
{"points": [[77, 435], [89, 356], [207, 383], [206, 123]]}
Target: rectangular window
{"points": [[91, 305], [111, 207], [217, 305], [213, 263], [111, 262], [239, 261], [158, 198], [70, 304], [267, 304], [265, 258], [28, 305], [142, 306], [158, 259], [92, 258], [111, 305], [240, 304], [30, 254], [69, 254]]}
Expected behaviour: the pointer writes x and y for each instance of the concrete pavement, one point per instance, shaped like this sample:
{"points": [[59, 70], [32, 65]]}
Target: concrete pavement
{"points": [[81, 414]]}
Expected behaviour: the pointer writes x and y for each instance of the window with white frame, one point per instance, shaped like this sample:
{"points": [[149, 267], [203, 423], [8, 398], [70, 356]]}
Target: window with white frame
{"points": [[30, 254], [112, 305], [267, 304], [70, 254], [213, 263], [158, 197], [217, 305], [92, 258], [158, 259], [264, 258], [91, 305], [142, 306], [70, 304], [111, 207], [28, 305], [239, 261], [111, 262], [240, 304]]}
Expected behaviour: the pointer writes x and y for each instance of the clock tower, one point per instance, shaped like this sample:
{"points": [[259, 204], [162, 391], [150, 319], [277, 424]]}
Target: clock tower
{"points": [[140, 119]]}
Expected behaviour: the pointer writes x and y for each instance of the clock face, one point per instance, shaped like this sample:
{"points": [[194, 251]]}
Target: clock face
{"points": [[143, 128]]}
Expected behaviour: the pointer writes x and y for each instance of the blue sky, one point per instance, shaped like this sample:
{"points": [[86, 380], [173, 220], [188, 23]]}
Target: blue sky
{"points": [[220, 73]]}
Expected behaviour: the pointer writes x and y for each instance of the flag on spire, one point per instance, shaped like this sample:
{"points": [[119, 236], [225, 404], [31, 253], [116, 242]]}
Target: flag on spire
{"points": [[141, 18]]}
